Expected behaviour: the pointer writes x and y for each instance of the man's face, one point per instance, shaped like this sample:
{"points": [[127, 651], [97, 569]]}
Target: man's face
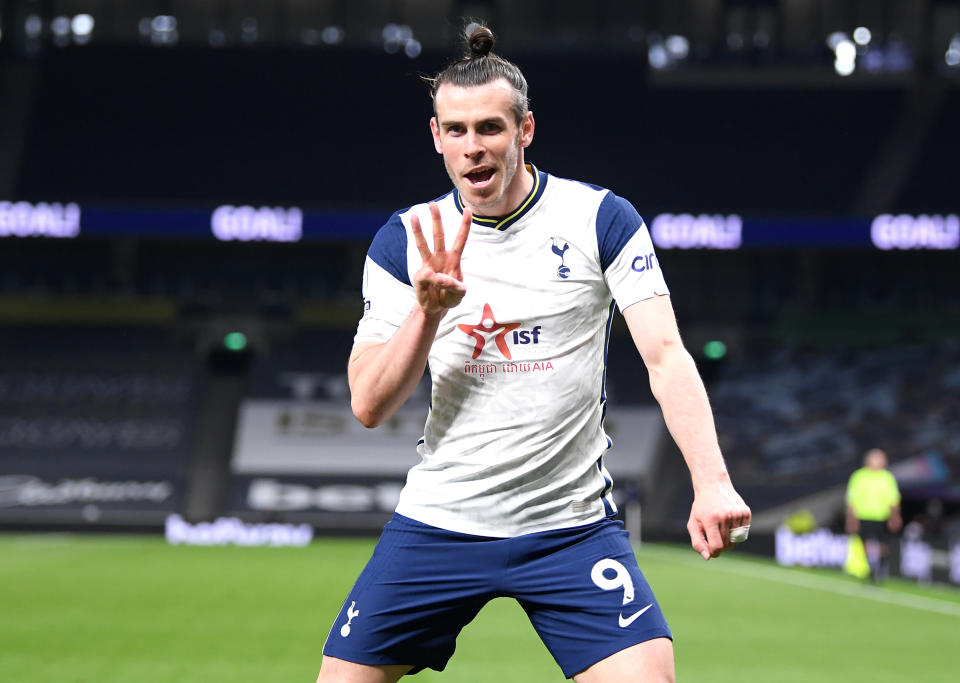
{"points": [[876, 459], [482, 146]]}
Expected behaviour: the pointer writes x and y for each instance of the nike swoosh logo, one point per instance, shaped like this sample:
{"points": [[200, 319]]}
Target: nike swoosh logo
{"points": [[626, 622]]}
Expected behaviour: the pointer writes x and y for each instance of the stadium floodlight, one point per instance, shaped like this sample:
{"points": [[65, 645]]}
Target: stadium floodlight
{"points": [[396, 36], [677, 46], [390, 33], [391, 38], [413, 48], [846, 51], [82, 25], [397, 33], [835, 39], [952, 56], [658, 56], [60, 26], [332, 35], [862, 35], [846, 61], [33, 26], [162, 29], [844, 68], [163, 23]]}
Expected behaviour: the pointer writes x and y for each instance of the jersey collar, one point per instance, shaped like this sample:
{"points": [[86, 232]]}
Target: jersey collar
{"points": [[504, 222]]}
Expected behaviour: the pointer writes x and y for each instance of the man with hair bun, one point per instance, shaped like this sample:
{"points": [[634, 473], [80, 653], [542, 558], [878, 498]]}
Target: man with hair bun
{"points": [[509, 302]]}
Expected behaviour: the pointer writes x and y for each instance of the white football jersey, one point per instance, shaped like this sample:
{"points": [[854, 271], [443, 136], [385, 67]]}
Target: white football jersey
{"points": [[514, 438]]}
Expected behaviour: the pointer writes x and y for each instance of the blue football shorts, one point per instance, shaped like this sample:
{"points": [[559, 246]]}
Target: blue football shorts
{"points": [[580, 587]]}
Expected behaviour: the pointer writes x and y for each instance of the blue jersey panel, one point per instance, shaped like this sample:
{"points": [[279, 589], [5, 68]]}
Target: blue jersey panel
{"points": [[617, 221], [389, 249]]}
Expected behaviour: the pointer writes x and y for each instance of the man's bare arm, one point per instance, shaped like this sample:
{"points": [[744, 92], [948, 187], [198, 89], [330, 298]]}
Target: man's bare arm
{"points": [[383, 375], [678, 388]]}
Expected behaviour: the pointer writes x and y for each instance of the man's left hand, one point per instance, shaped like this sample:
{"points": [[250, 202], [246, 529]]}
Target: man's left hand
{"points": [[716, 510]]}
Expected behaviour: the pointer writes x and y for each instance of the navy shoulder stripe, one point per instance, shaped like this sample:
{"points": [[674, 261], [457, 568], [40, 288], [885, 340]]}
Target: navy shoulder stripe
{"points": [[389, 249], [617, 222]]}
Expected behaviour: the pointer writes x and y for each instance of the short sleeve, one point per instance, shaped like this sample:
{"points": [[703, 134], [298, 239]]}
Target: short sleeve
{"points": [[629, 262], [855, 490], [388, 295], [894, 490]]}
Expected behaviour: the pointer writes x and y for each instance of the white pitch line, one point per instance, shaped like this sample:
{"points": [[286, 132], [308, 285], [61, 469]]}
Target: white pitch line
{"points": [[822, 583]]}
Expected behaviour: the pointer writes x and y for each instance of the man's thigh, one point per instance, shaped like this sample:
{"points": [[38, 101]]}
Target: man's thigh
{"points": [[647, 662], [585, 594], [417, 592], [333, 670]]}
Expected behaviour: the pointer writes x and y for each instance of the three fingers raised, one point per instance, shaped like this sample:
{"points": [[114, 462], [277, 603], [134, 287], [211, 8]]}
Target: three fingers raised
{"points": [[439, 240]]}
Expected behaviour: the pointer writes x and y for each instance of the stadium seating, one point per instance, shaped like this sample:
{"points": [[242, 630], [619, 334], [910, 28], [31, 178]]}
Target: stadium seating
{"points": [[798, 419], [272, 131], [97, 424]]}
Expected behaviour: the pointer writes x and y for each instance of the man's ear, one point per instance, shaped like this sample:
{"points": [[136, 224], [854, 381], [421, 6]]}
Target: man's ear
{"points": [[435, 129], [526, 130]]}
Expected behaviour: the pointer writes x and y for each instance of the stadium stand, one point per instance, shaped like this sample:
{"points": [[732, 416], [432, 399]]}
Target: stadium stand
{"points": [[798, 419], [97, 424], [932, 185], [269, 139], [830, 350]]}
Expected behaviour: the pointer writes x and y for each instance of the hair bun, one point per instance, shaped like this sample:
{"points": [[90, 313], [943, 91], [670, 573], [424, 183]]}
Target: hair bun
{"points": [[480, 40]]}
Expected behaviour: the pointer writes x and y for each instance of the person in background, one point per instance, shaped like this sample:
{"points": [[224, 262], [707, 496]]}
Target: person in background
{"points": [[873, 509]]}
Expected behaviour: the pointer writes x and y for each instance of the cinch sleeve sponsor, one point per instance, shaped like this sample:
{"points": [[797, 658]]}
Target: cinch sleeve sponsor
{"points": [[388, 296], [629, 263]]}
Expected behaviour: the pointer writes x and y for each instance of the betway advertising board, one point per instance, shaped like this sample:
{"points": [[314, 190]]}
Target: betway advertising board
{"points": [[311, 460], [911, 557]]}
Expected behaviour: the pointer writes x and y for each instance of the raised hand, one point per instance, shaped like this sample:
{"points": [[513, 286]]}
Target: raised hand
{"points": [[439, 281]]}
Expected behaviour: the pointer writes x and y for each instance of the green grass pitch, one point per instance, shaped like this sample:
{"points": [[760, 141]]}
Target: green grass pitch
{"points": [[100, 609]]}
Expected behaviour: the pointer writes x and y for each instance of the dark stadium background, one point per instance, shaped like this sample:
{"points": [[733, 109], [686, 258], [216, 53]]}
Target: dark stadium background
{"points": [[121, 391]]}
